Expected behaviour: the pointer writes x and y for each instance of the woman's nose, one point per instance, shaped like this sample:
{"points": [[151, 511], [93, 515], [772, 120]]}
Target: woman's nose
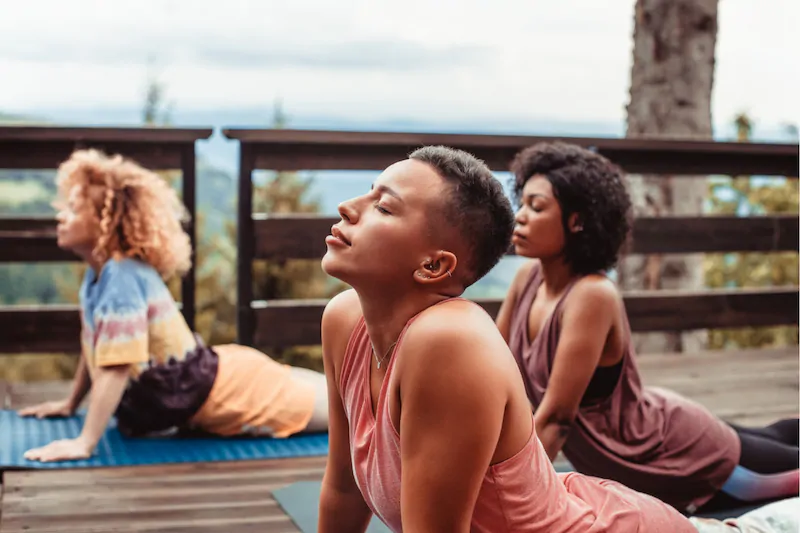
{"points": [[348, 211], [521, 216]]}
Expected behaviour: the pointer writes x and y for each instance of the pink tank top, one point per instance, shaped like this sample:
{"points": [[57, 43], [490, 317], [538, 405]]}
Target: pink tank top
{"points": [[522, 494], [649, 439]]}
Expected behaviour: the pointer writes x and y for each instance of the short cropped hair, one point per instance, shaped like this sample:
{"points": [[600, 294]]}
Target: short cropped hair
{"points": [[477, 206]]}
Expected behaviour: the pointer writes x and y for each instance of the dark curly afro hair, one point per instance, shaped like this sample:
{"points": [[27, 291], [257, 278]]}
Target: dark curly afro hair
{"points": [[585, 183]]}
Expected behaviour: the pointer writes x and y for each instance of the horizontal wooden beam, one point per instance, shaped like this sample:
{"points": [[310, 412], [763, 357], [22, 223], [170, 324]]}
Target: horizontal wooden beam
{"points": [[138, 134], [43, 147], [281, 323], [712, 234], [40, 329], [49, 155], [31, 224], [31, 240], [347, 150], [15, 248], [303, 236]]}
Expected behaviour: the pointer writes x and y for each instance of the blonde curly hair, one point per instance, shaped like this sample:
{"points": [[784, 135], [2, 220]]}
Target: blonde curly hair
{"points": [[140, 215]]}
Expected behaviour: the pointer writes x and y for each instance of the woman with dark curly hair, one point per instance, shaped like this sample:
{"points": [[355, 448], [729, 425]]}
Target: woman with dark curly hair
{"points": [[566, 324], [139, 357]]}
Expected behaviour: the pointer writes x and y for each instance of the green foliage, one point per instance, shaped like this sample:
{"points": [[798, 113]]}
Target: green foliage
{"points": [[731, 196]]}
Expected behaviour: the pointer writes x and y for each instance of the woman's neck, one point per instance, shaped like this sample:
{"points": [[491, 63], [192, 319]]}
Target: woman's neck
{"points": [[557, 274], [88, 258], [386, 315]]}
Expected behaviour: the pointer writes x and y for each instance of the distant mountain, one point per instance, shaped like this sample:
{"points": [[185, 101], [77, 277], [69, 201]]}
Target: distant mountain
{"points": [[8, 119]]}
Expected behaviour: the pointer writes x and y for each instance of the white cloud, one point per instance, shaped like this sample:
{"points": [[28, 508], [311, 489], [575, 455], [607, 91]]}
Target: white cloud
{"points": [[415, 58]]}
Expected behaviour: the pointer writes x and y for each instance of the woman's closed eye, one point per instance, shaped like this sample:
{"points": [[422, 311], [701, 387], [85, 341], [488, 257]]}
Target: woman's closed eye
{"points": [[382, 209], [536, 207]]}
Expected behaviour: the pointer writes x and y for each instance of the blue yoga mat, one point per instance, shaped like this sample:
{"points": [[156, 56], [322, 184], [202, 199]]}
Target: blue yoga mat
{"points": [[18, 434]]}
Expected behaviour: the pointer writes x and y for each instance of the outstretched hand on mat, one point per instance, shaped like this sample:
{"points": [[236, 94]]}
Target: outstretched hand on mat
{"points": [[107, 390], [60, 408], [61, 450]]}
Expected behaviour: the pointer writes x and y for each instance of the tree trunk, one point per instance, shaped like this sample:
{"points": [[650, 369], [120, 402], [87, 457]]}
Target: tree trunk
{"points": [[670, 97]]}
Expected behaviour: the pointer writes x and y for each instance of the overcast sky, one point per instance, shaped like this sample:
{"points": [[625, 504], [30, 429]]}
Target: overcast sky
{"points": [[567, 59]]}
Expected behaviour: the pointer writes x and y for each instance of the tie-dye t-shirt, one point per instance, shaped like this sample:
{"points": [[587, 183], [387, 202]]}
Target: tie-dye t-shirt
{"points": [[130, 318]]}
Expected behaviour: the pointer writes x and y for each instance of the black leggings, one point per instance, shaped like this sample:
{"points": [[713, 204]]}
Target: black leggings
{"points": [[769, 450]]}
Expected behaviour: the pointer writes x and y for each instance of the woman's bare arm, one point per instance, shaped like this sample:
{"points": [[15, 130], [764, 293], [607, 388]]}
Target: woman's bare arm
{"points": [[341, 506], [107, 389], [586, 323], [453, 394], [504, 315]]}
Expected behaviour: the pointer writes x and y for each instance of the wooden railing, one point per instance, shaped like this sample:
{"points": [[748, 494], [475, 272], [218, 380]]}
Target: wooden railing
{"points": [[56, 328], [282, 323]]}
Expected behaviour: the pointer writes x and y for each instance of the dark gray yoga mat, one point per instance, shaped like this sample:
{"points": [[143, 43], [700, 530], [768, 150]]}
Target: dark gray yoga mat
{"points": [[301, 502]]}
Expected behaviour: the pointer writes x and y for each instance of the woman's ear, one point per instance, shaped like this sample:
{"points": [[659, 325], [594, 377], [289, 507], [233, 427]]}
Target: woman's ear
{"points": [[436, 267], [575, 223]]}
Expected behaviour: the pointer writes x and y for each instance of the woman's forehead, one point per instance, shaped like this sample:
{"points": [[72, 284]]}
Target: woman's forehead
{"points": [[81, 195], [411, 180], [538, 184]]}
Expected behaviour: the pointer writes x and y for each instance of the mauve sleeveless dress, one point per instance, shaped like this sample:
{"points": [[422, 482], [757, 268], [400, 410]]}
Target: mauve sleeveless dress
{"points": [[649, 439]]}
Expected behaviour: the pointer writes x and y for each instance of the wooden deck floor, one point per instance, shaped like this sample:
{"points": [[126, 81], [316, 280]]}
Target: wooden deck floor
{"points": [[754, 387]]}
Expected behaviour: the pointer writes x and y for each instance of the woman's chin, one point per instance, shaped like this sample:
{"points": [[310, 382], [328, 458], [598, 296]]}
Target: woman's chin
{"points": [[333, 266], [521, 250]]}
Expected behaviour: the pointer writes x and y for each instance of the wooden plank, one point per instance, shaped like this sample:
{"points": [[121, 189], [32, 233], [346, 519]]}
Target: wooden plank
{"points": [[20, 395], [281, 323], [722, 380], [138, 134], [32, 248], [291, 236], [34, 225], [129, 477], [712, 234], [40, 147], [50, 154], [193, 497], [678, 311], [317, 150], [302, 236], [40, 329]]}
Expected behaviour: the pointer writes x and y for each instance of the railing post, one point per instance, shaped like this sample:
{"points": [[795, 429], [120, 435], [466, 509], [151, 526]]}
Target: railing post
{"points": [[245, 249], [189, 192]]}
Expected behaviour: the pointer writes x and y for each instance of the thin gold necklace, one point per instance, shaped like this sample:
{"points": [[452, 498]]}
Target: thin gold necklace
{"points": [[379, 361]]}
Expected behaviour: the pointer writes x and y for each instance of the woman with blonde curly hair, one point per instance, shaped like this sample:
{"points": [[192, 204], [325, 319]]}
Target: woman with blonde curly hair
{"points": [[139, 357]]}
